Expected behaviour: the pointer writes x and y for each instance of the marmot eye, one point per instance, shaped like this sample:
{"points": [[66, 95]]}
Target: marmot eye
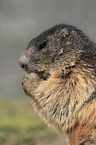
{"points": [[42, 45]]}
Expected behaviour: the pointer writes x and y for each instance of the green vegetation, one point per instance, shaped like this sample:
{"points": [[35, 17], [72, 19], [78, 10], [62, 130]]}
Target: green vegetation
{"points": [[20, 125]]}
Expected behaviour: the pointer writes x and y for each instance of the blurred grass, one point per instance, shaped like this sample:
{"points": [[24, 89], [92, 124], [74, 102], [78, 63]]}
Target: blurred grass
{"points": [[20, 125]]}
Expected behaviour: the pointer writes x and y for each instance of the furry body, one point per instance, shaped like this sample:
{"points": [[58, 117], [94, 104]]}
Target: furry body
{"points": [[61, 81]]}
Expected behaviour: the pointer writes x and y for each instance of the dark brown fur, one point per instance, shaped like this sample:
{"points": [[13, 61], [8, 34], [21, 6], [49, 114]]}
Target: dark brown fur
{"points": [[61, 81]]}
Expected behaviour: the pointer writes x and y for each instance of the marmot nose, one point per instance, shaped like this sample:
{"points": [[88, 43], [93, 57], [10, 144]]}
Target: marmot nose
{"points": [[23, 62], [21, 65]]}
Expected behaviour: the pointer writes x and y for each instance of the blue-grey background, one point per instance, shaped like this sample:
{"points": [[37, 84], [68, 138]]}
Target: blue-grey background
{"points": [[22, 20]]}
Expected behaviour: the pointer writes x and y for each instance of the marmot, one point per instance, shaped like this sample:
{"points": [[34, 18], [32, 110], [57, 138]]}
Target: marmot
{"points": [[61, 81]]}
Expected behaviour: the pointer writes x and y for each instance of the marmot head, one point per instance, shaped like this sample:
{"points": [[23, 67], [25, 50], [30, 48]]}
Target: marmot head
{"points": [[59, 46]]}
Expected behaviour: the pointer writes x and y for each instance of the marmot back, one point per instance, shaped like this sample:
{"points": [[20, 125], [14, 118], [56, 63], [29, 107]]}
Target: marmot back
{"points": [[61, 81]]}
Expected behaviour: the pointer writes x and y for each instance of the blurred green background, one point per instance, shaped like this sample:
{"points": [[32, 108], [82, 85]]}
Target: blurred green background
{"points": [[20, 21]]}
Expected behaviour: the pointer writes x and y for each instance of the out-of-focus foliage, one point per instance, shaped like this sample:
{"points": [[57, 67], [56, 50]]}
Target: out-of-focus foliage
{"points": [[19, 125]]}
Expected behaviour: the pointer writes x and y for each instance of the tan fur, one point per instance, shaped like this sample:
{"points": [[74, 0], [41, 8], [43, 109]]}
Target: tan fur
{"points": [[79, 85], [64, 94]]}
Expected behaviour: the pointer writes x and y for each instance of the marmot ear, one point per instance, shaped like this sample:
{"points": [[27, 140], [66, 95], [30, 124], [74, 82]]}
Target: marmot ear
{"points": [[64, 32]]}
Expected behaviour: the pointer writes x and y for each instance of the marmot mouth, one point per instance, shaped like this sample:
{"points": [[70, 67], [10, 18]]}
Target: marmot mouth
{"points": [[42, 74]]}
